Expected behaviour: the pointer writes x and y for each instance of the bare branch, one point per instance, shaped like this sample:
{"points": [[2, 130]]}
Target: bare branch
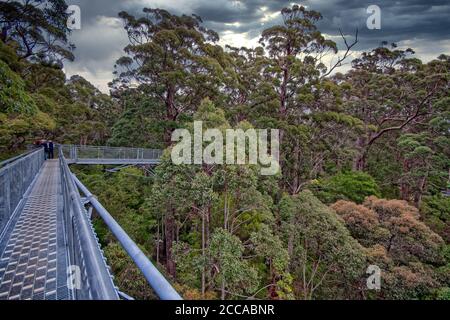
{"points": [[346, 54]]}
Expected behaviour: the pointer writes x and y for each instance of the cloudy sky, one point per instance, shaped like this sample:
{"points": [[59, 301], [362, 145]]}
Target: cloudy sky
{"points": [[420, 24]]}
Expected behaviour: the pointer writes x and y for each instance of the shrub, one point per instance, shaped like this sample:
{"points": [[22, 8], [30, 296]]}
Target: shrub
{"points": [[353, 185], [435, 211], [394, 224]]}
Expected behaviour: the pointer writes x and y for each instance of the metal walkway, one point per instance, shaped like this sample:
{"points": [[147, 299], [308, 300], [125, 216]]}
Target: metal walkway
{"points": [[33, 260], [48, 246]]}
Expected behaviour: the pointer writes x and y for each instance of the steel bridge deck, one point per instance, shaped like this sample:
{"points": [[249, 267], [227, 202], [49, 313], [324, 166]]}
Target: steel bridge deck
{"points": [[33, 258]]}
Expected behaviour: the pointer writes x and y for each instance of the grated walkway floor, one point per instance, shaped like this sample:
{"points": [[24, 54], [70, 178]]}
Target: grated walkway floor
{"points": [[33, 261]]}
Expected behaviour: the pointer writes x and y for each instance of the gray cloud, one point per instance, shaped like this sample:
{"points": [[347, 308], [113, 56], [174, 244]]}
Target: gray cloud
{"points": [[423, 25]]}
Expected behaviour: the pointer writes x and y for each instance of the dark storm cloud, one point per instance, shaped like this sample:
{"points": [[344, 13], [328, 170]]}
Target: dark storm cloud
{"points": [[400, 20], [422, 25]]}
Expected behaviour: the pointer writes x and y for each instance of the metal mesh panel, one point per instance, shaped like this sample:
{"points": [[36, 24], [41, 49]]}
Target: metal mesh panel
{"points": [[110, 155], [33, 248], [15, 178]]}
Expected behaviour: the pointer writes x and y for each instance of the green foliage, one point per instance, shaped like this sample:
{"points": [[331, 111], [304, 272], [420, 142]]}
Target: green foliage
{"points": [[399, 243], [174, 59], [320, 248], [36, 102], [270, 247], [435, 211], [13, 97], [443, 294], [39, 28], [140, 123], [233, 273], [20, 118], [123, 194], [352, 185], [126, 275]]}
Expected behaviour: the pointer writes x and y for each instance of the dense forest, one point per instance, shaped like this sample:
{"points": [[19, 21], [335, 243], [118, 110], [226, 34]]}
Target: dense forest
{"points": [[364, 155]]}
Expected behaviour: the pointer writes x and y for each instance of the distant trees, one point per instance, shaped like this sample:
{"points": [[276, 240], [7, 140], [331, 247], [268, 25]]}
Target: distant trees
{"points": [[294, 71], [173, 59], [139, 121], [37, 102], [38, 28], [390, 93], [409, 238], [379, 130], [92, 113], [435, 211]]}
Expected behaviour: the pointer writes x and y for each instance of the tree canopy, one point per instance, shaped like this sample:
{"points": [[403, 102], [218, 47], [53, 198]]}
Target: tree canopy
{"points": [[365, 154]]}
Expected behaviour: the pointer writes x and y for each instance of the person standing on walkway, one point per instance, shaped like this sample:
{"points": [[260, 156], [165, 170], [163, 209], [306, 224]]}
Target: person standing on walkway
{"points": [[44, 143], [51, 155]]}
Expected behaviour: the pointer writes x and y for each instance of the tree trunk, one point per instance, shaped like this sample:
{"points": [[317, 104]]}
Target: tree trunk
{"points": [[419, 192], [169, 238], [171, 113], [203, 254], [223, 294], [157, 245], [296, 179], [359, 162], [282, 112], [405, 190], [273, 288]]}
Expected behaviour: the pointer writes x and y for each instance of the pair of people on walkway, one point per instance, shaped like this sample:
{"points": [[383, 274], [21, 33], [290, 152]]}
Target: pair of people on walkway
{"points": [[48, 148]]}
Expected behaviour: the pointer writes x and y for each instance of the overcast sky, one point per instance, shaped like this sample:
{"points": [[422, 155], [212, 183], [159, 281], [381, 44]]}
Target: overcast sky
{"points": [[421, 25]]}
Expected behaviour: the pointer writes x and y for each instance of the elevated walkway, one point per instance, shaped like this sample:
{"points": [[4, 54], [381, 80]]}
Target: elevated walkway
{"points": [[48, 246], [110, 155], [33, 259]]}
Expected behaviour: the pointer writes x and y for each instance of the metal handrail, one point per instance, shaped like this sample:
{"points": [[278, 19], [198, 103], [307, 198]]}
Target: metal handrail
{"points": [[10, 160], [84, 250], [160, 285]]}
